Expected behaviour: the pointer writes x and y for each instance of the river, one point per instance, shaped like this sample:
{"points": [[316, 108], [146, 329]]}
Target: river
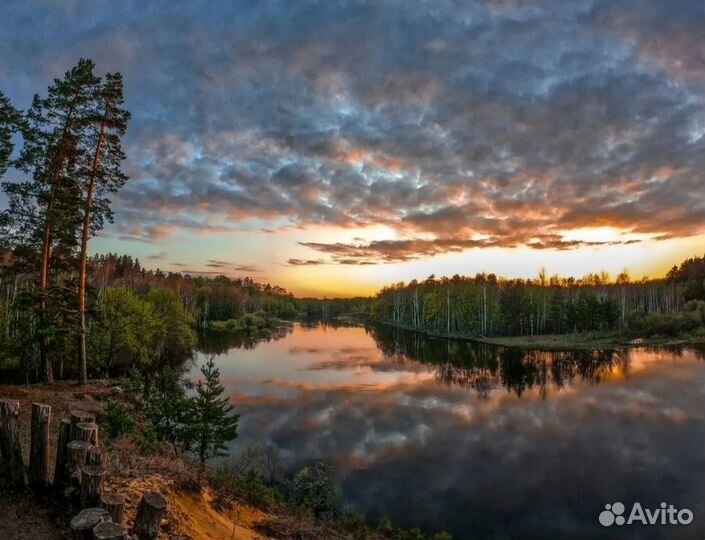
{"points": [[481, 441]]}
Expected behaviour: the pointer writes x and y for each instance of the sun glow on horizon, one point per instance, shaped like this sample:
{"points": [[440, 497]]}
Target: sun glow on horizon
{"points": [[263, 257], [604, 234]]}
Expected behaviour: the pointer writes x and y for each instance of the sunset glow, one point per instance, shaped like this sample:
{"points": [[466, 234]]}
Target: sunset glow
{"points": [[270, 140]]}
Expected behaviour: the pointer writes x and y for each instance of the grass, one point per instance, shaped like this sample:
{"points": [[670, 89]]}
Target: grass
{"points": [[588, 341]]}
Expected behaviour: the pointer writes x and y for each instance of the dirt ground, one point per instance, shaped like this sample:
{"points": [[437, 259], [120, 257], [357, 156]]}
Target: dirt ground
{"points": [[24, 518]]}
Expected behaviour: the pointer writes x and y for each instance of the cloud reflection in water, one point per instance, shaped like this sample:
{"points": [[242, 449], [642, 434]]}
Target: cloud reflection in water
{"points": [[482, 441]]}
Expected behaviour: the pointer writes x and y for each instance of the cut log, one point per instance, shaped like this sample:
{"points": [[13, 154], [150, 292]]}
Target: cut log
{"points": [[79, 417], [97, 456], [87, 431], [83, 524], [10, 449], [92, 477], [149, 515], [114, 503], [109, 531], [76, 458], [39, 447], [60, 470]]}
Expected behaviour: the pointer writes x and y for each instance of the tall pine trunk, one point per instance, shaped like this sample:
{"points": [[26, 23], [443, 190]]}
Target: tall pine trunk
{"points": [[45, 362], [83, 261]]}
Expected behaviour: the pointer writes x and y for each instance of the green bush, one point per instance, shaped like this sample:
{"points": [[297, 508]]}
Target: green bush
{"points": [[250, 487], [664, 324], [249, 322], [313, 490], [149, 442], [118, 419]]}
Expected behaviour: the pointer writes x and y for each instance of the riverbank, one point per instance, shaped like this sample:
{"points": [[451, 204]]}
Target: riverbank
{"points": [[192, 511], [578, 341], [566, 342], [201, 502]]}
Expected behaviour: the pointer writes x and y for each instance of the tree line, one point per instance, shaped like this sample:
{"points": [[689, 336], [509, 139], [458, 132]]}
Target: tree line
{"points": [[486, 305], [139, 319]]}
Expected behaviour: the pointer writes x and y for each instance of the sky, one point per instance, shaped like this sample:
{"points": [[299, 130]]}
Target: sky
{"points": [[333, 147]]}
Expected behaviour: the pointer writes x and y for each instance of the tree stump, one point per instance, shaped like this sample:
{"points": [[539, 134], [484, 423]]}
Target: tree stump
{"points": [[97, 456], [109, 531], [10, 448], [83, 524], [76, 458], [114, 503], [60, 470], [91, 485], [87, 431], [79, 417], [39, 446], [149, 515]]}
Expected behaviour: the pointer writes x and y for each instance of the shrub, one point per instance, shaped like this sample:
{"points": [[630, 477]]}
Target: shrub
{"points": [[118, 419], [149, 443], [664, 324], [250, 487], [313, 490]]}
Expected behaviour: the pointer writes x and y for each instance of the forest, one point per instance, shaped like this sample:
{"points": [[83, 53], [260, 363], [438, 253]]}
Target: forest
{"points": [[486, 305], [64, 313]]}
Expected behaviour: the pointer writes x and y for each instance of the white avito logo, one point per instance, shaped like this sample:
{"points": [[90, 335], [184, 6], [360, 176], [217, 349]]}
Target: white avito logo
{"points": [[667, 514]]}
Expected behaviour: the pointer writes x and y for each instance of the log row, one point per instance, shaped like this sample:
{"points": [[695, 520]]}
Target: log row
{"points": [[80, 467], [97, 523]]}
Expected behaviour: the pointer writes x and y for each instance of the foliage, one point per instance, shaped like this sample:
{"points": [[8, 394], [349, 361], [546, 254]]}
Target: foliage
{"points": [[665, 324], [149, 442], [11, 121], [72, 157], [118, 419], [249, 486], [313, 490], [148, 333], [212, 422], [168, 408], [207, 299], [176, 338], [250, 323], [126, 332], [485, 305], [99, 174]]}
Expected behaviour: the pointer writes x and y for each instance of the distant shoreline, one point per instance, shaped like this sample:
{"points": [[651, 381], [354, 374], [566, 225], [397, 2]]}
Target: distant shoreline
{"points": [[562, 342]]}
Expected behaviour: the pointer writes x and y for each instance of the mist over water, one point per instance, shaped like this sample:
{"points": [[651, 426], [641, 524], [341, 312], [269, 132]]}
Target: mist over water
{"points": [[482, 441]]}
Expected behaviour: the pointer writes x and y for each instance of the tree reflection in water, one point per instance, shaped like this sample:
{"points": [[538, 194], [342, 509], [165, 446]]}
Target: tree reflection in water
{"points": [[484, 367], [221, 342]]}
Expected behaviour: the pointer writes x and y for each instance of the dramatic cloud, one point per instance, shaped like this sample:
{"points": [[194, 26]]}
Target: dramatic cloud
{"points": [[305, 262], [456, 125]]}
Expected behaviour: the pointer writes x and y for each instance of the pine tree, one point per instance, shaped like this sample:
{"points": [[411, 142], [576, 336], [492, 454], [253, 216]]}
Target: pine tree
{"points": [[45, 209], [212, 420], [11, 121], [100, 174]]}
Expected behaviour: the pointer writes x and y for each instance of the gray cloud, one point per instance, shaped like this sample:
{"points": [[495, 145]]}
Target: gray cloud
{"points": [[225, 265], [502, 120]]}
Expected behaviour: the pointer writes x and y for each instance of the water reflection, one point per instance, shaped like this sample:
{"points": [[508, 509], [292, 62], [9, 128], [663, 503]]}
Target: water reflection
{"points": [[222, 342], [486, 442], [484, 367]]}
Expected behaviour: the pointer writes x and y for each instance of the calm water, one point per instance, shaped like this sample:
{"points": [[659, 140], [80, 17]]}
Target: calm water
{"points": [[481, 441]]}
